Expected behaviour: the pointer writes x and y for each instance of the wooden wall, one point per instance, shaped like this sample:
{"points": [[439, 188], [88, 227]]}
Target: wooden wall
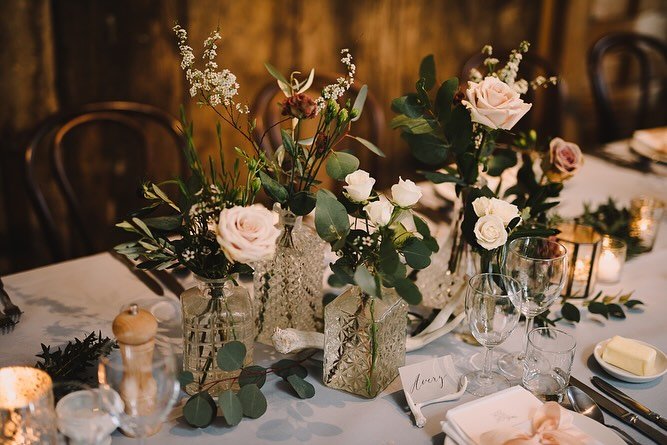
{"points": [[60, 54]]}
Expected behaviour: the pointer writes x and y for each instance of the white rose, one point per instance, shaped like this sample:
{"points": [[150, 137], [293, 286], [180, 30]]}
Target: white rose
{"points": [[494, 103], [482, 206], [490, 232], [379, 212], [359, 185], [247, 234], [504, 210], [407, 220], [405, 193]]}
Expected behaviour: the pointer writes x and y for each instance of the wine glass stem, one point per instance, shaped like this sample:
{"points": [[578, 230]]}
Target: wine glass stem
{"points": [[529, 327], [486, 371]]}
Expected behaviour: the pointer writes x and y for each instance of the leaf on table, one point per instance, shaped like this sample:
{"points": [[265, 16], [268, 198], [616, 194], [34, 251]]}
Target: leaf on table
{"points": [[230, 357], [303, 389], [630, 304], [286, 367], [252, 375], [253, 401], [231, 406], [200, 410], [185, 378], [570, 312]]}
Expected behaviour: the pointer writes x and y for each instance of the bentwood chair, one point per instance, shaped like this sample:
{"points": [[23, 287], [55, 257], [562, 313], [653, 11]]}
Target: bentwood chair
{"points": [[650, 79], [83, 171], [545, 115]]}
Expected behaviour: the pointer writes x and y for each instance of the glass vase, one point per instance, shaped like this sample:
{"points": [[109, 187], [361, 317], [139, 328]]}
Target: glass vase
{"points": [[215, 312], [288, 287], [364, 341]]}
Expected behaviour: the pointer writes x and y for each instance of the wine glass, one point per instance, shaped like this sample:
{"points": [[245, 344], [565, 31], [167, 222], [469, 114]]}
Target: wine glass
{"points": [[139, 393], [492, 317], [540, 266]]}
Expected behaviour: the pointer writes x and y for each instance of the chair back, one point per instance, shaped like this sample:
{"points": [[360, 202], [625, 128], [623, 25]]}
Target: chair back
{"points": [[545, 115], [83, 171], [650, 79]]}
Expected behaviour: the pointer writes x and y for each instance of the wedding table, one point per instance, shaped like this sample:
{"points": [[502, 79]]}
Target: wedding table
{"points": [[76, 297]]}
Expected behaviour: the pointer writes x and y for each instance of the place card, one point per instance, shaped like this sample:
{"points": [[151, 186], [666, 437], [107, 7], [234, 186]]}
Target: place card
{"points": [[429, 380]]}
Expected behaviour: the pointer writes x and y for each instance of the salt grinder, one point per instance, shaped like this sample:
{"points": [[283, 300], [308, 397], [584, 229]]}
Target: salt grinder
{"points": [[135, 331]]}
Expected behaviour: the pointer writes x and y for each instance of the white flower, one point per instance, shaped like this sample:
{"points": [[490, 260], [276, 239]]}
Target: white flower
{"points": [[379, 212], [484, 206], [494, 104], [247, 234], [359, 186], [405, 193], [407, 220], [490, 232]]}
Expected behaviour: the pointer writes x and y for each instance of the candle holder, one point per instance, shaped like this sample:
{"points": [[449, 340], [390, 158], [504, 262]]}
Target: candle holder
{"points": [[612, 259], [583, 248], [645, 216], [27, 414]]}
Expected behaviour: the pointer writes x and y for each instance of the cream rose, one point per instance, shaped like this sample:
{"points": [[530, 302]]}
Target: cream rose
{"points": [[405, 193], [494, 103], [565, 158], [379, 212], [493, 206], [247, 234], [359, 186], [490, 232]]}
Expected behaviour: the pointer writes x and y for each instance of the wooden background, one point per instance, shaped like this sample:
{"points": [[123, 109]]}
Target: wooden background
{"points": [[60, 54]]}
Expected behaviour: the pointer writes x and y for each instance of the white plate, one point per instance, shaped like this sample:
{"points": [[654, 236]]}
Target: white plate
{"points": [[621, 374], [589, 426], [648, 152]]}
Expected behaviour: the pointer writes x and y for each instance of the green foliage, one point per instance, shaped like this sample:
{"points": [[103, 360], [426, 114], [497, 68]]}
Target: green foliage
{"points": [[230, 357], [366, 281], [253, 401], [253, 375], [200, 410], [231, 407], [341, 164], [302, 388], [611, 219], [417, 254], [427, 148], [331, 219], [273, 188], [427, 71]]}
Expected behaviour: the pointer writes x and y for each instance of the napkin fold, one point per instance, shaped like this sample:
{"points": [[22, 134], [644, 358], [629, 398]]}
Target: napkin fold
{"points": [[513, 417]]}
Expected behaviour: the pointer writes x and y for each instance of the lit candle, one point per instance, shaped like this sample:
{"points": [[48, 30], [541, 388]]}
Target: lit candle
{"points": [[611, 259], [581, 269]]}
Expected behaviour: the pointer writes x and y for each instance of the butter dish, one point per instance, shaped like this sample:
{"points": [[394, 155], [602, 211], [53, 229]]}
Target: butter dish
{"points": [[659, 370]]}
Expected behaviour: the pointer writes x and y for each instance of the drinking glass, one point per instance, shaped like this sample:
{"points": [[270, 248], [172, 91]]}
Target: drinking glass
{"points": [[548, 363], [139, 394], [540, 266], [492, 317]]}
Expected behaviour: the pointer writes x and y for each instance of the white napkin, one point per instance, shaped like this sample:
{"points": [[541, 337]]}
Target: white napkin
{"points": [[511, 408]]}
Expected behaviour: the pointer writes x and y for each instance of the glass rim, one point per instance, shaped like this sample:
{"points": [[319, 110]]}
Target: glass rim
{"points": [[156, 362], [541, 238], [489, 294], [552, 329]]}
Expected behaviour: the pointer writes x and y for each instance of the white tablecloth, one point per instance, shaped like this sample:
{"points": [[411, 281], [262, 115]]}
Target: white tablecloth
{"points": [[76, 297]]}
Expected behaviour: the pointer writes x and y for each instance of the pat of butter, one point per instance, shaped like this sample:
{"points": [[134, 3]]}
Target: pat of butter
{"points": [[630, 355]]}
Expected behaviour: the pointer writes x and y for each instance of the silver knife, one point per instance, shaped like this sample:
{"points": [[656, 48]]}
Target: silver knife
{"points": [[628, 401], [620, 413]]}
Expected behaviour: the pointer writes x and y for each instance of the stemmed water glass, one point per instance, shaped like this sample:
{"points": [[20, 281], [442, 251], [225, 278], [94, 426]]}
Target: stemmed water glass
{"points": [[492, 317], [540, 266], [139, 394]]}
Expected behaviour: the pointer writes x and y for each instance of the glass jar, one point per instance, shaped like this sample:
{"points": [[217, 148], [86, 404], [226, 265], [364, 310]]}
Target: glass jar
{"points": [[215, 312], [364, 341], [288, 287]]}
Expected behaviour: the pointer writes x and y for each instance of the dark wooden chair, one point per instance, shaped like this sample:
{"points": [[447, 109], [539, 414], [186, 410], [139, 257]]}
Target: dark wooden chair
{"points": [[545, 115], [648, 52], [74, 158]]}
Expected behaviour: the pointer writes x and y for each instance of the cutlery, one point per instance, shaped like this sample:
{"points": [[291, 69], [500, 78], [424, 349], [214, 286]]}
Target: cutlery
{"points": [[140, 274], [620, 413], [11, 310], [628, 401], [169, 281], [583, 404]]}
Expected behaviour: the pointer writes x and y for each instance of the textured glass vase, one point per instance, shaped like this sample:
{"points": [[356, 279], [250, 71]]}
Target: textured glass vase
{"points": [[364, 341], [215, 312], [288, 288]]}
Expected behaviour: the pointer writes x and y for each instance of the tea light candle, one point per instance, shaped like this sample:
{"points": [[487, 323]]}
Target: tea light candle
{"points": [[646, 214], [612, 259], [582, 243], [26, 406]]}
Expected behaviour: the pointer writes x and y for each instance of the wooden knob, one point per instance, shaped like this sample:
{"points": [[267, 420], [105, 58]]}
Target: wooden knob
{"points": [[134, 326]]}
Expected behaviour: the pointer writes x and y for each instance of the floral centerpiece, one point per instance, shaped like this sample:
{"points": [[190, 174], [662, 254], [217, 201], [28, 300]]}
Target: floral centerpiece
{"points": [[287, 286], [365, 327]]}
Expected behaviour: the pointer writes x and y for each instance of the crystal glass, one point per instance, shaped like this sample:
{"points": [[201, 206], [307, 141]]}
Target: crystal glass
{"points": [[364, 341], [288, 287], [645, 216], [215, 312], [583, 250], [540, 266], [492, 316], [139, 395], [82, 415], [548, 363]]}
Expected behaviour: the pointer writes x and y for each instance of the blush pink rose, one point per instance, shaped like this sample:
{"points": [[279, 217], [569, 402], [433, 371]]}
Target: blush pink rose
{"points": [[494, 104], [247, 234], [565, 159]]}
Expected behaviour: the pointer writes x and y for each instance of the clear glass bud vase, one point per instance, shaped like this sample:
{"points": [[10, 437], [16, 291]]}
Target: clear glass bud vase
{"points": [[288, 287], [215, 312], [364, 341]]}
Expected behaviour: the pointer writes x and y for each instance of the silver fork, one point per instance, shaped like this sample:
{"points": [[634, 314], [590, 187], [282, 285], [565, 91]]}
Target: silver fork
{"points": [[11, 310]]}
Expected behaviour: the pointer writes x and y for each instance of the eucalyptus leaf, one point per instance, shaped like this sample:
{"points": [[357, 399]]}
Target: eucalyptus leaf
{"points": [[409, 105], [286, 367], [615, 310], [426, 148], [231, 406], [341, 164], [200, 410], [252, 375], [501, 160], [288, 143], [408, 290], [439, 177], [369, 145], [598, 308], [427, 71], [389, 258], [414, 125], [273, 188], [303, 389], [331, 220], [459, 129], [365, 280], [302, 203], [252, 401], [230, 357], [360, 101], [185, 378], [444, 99], [630, 304], [416, 253], [570, 312]]}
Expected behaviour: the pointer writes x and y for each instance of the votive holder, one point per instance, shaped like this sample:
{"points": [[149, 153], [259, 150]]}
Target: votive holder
{"points": [[583, 248], [612, 259], [27, 414], [645, 216]]}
